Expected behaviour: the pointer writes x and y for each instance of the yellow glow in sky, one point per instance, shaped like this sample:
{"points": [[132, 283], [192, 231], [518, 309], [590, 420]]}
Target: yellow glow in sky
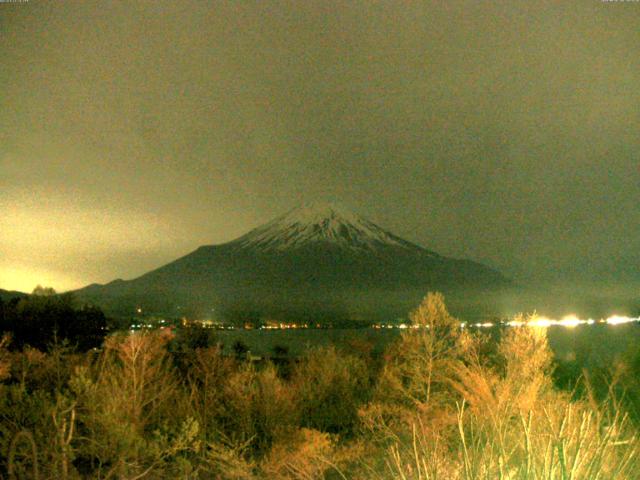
{"points": [[25, 279], [503, 132], [61, 244]]}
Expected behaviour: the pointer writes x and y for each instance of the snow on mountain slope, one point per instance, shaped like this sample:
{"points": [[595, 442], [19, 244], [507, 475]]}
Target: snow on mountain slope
{"points": [[318, 262], [320, 223]]}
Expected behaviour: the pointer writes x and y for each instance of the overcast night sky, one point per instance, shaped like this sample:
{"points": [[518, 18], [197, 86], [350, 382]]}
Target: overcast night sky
{"points": [[133, 132]]}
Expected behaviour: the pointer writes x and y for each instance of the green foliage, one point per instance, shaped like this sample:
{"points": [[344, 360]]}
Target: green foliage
{"points": [[330, 386]]}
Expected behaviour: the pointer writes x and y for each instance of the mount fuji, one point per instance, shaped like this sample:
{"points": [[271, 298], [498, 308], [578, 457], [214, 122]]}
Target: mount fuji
{"points": [[318, 263], [318, 224]]}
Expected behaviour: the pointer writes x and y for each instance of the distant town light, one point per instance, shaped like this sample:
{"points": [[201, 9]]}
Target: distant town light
{"points": [[570, 321], [618, 319], [483, 325], [542, 322]]}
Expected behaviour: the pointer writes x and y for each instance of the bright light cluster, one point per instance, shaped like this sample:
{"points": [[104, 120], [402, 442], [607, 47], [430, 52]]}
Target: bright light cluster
{"points": [[569, 321], [617, 320]]}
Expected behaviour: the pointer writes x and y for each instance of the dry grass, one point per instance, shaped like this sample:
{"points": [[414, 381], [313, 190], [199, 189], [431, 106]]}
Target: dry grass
{"points": [[512, 424], [443, 405]]}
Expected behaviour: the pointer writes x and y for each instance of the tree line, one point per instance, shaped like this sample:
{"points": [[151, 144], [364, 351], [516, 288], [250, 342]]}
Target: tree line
{"points": [[44, 317]]}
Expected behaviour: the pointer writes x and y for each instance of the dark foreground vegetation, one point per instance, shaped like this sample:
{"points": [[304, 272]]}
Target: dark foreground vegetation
{"points": [[441, 403], [45, 318]]}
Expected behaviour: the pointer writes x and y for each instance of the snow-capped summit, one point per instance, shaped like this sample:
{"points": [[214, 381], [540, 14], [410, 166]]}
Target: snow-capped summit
{"points": [[319, 262], [320, 223]]}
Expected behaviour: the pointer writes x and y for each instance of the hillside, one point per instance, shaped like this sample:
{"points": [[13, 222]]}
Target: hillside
{"points": [[317, 262], [6, 295]]}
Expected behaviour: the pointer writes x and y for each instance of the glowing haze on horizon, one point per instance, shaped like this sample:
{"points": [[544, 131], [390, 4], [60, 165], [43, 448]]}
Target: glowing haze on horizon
{"points": [[133, 132]]}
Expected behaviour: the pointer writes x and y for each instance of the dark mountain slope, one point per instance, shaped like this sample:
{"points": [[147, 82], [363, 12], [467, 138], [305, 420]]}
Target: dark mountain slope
{"points": [[6, 295], [314, 261]]}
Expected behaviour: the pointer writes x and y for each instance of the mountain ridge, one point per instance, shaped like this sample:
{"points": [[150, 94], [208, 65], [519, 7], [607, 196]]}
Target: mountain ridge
{"points": [[320, 222], [319, 258], [6, 295]]}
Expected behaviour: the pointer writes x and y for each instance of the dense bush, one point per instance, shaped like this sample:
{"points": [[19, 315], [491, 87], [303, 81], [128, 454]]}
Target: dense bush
{"points": [[441, 403], [44, 318]]}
